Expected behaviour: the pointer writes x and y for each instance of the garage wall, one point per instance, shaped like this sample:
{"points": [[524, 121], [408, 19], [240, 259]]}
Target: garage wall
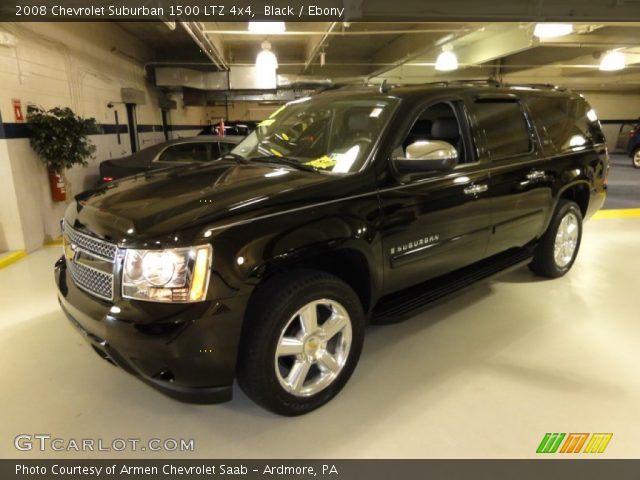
{"points": [[612, 109], [83, 66], [243, 111]]}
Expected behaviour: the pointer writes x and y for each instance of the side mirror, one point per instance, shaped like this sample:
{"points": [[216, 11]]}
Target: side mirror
{"points": [[427, 155]]}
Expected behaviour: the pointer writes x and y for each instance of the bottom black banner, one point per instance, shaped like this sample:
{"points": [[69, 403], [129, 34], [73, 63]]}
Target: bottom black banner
{"points": [[322, 469]]}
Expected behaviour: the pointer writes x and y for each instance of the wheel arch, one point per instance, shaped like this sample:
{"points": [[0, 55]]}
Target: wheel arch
{"points": [[578, 192], [350, 263]]}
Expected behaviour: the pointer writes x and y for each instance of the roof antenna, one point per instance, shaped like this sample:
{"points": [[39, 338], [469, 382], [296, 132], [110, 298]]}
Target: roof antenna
{"points": [[384, 88]]}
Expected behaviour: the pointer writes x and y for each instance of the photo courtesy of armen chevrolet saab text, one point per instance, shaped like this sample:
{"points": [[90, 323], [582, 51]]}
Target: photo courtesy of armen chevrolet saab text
{"points": [[355, 206]]}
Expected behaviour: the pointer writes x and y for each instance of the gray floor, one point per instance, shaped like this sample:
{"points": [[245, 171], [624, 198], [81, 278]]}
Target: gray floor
{"points": [[624, 184], [484, 374]]}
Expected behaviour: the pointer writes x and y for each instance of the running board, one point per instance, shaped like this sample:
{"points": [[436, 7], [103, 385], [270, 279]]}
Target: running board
{"points": [[406, 303]]}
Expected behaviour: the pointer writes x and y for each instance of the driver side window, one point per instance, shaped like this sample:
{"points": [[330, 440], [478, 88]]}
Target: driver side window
{"points": [[436, 122]]}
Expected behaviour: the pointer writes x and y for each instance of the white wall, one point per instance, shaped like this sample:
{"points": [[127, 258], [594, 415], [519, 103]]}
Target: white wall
{"points": [[83, 66], [613, 106]]}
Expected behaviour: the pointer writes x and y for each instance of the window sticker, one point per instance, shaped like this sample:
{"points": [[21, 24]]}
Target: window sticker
{"points": [[375, 113], [323, 163]]}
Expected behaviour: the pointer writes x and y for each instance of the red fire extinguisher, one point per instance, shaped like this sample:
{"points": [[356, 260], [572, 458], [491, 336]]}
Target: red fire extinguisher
{"points": [[58, 187], [221, 128]]}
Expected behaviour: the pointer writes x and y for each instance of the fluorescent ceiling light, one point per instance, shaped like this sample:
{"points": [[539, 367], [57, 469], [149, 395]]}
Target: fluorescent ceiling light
{"points": [[266, 61], [267, 28], [613, 61], [551, 30], [447, 61]]}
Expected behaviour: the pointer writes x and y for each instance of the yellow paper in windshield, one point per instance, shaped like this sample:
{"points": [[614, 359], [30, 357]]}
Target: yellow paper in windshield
{"points": [[274, 114], [323, 163]]}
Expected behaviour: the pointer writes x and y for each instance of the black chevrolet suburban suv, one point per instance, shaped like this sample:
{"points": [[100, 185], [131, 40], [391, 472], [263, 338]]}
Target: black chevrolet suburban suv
{"points": [[356, 205]]}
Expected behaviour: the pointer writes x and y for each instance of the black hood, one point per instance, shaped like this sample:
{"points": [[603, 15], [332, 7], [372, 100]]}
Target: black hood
{"points": [[167, 201]]}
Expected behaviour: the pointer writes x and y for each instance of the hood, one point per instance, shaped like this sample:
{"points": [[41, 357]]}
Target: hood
{"points": [[167, 201]]}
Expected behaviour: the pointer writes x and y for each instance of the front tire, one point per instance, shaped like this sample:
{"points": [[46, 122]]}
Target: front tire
{"points": [[301, 341], [558, 247]]}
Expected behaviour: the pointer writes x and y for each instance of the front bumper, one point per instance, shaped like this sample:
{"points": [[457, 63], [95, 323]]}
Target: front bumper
{"points": [[187, 351]]}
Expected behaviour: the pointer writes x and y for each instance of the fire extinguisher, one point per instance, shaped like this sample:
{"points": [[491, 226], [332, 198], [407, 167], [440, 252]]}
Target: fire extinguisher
{"points": [[58, 187]]}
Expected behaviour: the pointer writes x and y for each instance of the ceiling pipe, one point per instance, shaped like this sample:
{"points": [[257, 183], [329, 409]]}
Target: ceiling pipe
{"points": [[346, 33], [199, 36], [319, 46]]}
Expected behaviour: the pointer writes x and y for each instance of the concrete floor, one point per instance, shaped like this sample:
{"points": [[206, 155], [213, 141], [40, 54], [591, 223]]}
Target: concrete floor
{"points": [[486, 373], [624, 182]]}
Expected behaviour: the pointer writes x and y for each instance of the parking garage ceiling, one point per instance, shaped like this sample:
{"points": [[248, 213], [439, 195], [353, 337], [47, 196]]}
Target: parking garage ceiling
{"points": [[407, 52]]}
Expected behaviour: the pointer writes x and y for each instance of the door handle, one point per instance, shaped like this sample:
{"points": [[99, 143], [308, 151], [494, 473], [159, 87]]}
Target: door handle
{"points": [[475, 189], [536, 175]]}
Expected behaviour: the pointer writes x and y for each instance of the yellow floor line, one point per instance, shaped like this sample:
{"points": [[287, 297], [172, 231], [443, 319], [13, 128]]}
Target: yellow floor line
{"points": [[621, 213], [12, 257], [55, 241]]}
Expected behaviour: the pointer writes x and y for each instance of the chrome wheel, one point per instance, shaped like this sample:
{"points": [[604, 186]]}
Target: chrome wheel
{"points": [[636, 158], [566, 240], [313, 347]]}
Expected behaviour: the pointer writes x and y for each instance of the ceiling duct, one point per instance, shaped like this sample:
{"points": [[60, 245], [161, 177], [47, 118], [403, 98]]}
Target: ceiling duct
{"points": [[185, 77], [300, 81], [238, 78]]}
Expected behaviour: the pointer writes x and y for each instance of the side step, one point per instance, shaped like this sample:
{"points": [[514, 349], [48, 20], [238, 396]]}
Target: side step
{"points": [[406, 303]]}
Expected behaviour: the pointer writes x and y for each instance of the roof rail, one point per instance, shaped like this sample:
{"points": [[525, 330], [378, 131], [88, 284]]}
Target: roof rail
{"points": [[539, 86], [489, 82]]}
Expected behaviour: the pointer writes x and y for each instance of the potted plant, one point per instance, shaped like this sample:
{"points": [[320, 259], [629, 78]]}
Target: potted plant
{"points": [[60, 138]]}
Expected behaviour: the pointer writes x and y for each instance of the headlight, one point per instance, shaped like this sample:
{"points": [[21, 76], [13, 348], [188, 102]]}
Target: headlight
{"points": [[175, 275]]}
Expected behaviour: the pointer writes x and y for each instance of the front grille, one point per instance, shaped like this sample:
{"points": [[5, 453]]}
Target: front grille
{"points": [[94, 246], [90, 261], [91, 280]]}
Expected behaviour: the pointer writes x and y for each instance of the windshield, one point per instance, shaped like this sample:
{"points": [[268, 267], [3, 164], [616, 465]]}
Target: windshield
{"points": [[321, 132]]}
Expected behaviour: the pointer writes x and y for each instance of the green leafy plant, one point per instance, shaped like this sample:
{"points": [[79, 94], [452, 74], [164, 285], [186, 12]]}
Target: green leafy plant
{"points": [[60, 137]]}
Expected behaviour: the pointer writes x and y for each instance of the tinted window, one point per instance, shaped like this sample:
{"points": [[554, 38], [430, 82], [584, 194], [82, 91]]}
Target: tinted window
{"points": [[185, 152], [568, 122], [504, 126]]}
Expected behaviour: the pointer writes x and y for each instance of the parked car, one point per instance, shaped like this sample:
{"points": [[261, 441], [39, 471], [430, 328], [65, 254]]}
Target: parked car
{"points": [[230, 128], [348, 208], [633, 146], [182, 151]]}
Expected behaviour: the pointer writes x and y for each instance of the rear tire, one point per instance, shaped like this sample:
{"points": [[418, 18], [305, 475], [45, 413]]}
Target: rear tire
{"points": [[301, 341], [635, 158], [558, 247]]}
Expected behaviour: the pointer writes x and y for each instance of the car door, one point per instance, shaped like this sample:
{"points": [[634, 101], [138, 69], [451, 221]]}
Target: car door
{"points": [[520, 185], [440, 221]]}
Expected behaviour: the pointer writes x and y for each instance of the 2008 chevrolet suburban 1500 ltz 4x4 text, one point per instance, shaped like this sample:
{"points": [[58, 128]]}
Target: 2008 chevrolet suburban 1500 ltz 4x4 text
{"points": [[356, 205]]}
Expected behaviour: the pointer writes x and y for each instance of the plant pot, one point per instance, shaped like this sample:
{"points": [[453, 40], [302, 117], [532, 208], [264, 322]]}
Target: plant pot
{"points": [[58, 186]]}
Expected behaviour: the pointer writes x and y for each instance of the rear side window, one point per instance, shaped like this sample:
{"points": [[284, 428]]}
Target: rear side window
{"points": [[569, 123], [185, 152], [504, 126]]}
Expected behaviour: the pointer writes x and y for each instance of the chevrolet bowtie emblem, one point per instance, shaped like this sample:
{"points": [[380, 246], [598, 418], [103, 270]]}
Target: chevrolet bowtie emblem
{"points": [[69, 249]]}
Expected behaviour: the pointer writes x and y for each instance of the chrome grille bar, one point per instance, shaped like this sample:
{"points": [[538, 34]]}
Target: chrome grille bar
{"points": [[91, 245], [97, 282]]}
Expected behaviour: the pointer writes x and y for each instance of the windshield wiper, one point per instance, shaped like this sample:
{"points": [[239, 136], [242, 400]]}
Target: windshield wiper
{"points": [[236, 157], [285, 161]]}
